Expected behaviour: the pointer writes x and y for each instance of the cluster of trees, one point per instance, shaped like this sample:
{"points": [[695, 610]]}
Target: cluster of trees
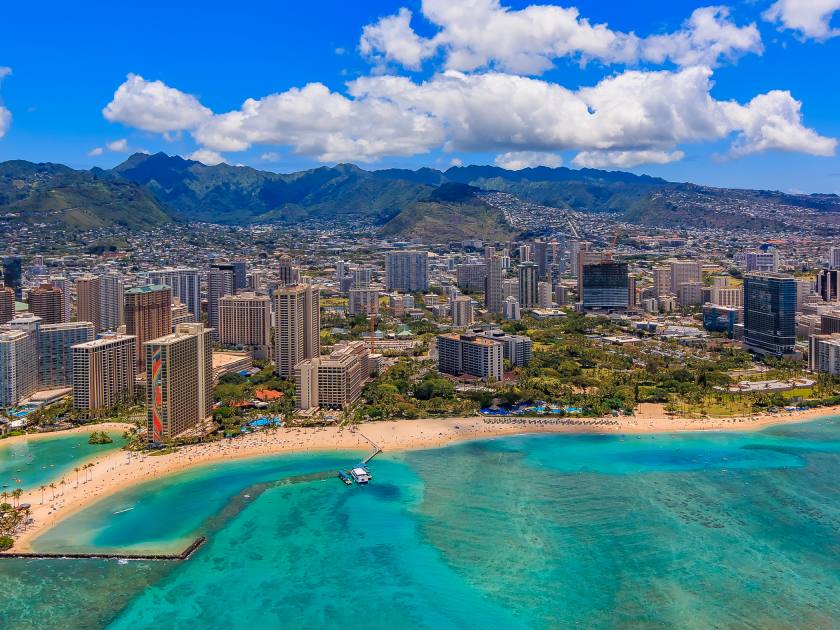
{"points": [[100, 437], [12, 517], [410, 389], [234, 388]]}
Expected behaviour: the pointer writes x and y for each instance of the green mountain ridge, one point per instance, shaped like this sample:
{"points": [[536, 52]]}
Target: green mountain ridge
{"points": [[427, 204]]}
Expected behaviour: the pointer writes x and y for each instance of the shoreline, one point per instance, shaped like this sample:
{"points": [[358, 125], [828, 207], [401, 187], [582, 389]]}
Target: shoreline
{"points": [[85, 428], [119, 470]]}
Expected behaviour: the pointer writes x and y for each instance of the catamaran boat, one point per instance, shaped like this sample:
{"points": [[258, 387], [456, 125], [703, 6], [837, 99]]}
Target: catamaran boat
{"points": [[360, 475]]}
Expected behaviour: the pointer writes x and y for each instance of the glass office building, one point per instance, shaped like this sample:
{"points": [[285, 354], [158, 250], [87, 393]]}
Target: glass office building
{"points": [[770, 313], [605, 285]]}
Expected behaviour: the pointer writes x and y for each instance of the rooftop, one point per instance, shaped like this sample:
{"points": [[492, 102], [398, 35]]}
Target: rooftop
{"points": [[147, 288]]}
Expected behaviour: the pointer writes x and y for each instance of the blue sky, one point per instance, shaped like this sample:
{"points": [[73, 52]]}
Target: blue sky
{"points": [[745, 95]]}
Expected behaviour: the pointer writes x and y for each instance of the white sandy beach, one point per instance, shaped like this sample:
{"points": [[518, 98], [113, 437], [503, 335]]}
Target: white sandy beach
{"points": [[119, 470]]}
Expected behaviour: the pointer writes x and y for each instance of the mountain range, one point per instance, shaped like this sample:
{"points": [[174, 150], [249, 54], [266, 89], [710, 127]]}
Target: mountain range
{"points": [[148, 190]]}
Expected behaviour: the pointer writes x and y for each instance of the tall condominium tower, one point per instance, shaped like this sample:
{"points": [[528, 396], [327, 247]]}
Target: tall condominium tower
{"points": [[298, 325], [239, 269], [494, 287], [111, 301], [184, 284], [407, 271], [179, 382], [245, 321], [220, 282], [47, 302], [287, 273], [462, 311], [88, 300], [770, 313], [18, 366], [148, 315], [528, 288], [683, 271], [104, 372], [60, 282], [7, 304], [55, 351]]}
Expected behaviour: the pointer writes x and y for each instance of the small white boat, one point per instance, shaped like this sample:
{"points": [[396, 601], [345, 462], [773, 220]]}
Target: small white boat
{"points": [[125, 510]]}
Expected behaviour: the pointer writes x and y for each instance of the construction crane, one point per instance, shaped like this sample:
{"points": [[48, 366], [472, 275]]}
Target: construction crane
{"points": [[611, 249]]}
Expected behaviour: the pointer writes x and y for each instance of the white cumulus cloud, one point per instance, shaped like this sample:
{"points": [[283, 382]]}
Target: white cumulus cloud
{"points": [[154, 106], [475, 34], [205, 156], [810, 18], [624, 159], [118, 146], [517, 160]]}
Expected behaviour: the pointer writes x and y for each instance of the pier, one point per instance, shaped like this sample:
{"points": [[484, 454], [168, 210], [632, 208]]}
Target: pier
{"points": [[184, 555], [376, 449]]}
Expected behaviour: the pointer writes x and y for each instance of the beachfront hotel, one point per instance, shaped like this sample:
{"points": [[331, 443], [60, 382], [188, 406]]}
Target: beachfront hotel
{"points": [[245, 322], [104, 372], [179, 382], [336, 380], [55, 351], [470, 354], [297, 334], [148, 315]]}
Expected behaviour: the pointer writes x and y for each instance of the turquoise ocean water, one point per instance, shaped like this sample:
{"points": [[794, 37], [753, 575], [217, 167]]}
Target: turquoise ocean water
{"points": [[688, 530], [28, 464]]}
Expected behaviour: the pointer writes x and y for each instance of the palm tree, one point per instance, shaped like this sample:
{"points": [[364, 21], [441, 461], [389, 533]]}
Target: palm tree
{"points": [[52, 487], [4, 495], [77, 469], [61, 483], [42, 488], [16, 493]]}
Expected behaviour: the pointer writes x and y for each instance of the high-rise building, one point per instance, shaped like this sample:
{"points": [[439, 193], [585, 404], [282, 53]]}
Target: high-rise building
{"points": [[60, 282], [47, 302], [493, 290], [511, 309], [287, 272], [363, 302], [515, 348], [762, 261], [111, 301], [362, 277], [220, 282], [7, 304], [185, 286], [834, 257], [55, 351], [828, 281], [605, 285], [407, 271], [824, 353], [470, 276], [180, 314], [340, 270], [245, 322], [770, 312], [297, 334], [529, 295], [544, 294], [462, 312], [470, 354], [662, 280], [830, 323], [148, 315], [334, 381], [683, 271], [104, 372], [728, 296], [179, 383], [18, 366], [239, 269], [89, 300], [13, 275], [690, 294]]}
